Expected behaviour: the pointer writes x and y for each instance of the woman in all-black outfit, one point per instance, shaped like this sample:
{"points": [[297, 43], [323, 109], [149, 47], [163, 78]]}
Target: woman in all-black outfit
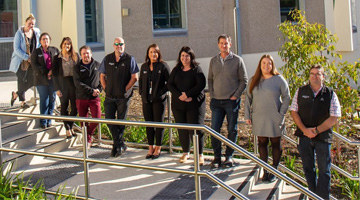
{"points": [[154, 74], [63, 68], [41, 61], [187, 83]]}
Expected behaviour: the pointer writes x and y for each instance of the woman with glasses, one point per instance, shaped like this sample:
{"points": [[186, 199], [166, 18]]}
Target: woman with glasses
{"points": [[63, 68], [266, 103]]}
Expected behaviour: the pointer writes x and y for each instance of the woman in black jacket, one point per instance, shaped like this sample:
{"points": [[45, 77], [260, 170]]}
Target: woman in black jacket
{"points": [[41, 61], [154, 74], [63, 69], [186, 84]]}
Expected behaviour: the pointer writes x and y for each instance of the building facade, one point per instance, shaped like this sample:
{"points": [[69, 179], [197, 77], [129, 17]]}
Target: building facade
{"points": [[171, 24]]}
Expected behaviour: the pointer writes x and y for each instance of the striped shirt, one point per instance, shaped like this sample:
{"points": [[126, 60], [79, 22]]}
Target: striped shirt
{"points": [[335, 108]]}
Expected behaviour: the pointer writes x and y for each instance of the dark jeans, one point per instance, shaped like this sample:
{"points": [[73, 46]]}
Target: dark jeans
{"points": [[117, 107], [193, 116], [25, 80], [47, 101], [220, 109], [68, 95], [154, 112], [83, 106], [308, 148]]}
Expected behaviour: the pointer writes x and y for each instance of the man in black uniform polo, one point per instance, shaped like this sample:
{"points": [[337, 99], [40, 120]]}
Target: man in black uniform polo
{"points": [[118, 74]]}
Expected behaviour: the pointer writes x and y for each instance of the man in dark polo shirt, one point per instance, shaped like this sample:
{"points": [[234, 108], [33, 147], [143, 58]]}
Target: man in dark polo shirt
{"points": [[118, 74], [315, 109]]}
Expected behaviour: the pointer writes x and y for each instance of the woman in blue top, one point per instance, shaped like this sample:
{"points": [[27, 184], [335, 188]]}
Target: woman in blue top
{"points": [[26, 40]]}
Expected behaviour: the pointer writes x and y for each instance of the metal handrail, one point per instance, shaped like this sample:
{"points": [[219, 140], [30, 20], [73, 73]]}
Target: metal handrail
{"points": [[196, 172]]}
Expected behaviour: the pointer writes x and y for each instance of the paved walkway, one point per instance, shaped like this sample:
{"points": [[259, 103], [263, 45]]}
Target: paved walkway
{"points": [[8, 83]]}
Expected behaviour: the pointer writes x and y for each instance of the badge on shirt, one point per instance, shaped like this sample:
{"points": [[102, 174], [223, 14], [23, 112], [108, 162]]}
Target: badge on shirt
{"points": [[111, 63], [144, 72], [305, 96], [322, 99]]}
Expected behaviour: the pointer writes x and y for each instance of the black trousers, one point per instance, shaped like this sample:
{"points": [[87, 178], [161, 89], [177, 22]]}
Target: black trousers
{"points": [[119, 108], [68, 96], [25, 80], [190, 116], [154, 111]]}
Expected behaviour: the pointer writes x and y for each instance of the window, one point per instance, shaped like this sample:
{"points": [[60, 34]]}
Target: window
{"points": [[94, 21], [285, 7], [8, 18], [353, 16], [169, 17]]}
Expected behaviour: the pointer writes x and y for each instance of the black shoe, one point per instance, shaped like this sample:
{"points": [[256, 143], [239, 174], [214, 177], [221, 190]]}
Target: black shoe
{"points": [[148, 156], [43, 126], [113, 152], [271, 178], [229, 162], [123, 147], [12, 99], [155, 156], [118, 152], [216, 163], [25, 106], [265, 177], [49, 125]]}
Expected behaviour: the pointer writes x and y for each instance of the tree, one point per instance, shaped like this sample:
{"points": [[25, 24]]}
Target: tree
{"points": [[307, 44]]}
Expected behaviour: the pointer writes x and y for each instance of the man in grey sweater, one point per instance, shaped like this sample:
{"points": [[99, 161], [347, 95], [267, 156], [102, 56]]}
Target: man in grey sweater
{"points": [[227, 79]]}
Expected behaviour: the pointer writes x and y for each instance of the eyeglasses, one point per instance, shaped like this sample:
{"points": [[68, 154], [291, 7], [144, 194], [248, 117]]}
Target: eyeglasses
{"points": [[118, 44]]}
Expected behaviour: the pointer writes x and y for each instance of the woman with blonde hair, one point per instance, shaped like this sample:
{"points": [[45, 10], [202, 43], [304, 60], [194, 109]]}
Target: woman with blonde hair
{"points": [[266, 103], [26, 40]]}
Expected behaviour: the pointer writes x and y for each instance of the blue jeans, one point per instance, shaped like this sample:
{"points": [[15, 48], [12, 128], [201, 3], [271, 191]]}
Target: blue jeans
{"points": [[308, 148], [220, 109], [47, 101]]}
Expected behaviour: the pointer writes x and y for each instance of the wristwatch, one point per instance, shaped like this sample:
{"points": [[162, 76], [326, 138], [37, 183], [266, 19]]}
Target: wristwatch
{"points": [[316, 130]]}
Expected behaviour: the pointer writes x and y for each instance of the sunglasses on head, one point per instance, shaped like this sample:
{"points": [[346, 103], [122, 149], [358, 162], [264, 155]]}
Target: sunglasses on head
{"points": [[118, 44]]}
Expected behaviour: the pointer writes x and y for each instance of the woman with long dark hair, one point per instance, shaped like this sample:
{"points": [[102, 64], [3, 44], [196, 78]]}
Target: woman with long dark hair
{"points": [[186, 84], [266, 103], [63, 69], [154, 74], [26, 40]]}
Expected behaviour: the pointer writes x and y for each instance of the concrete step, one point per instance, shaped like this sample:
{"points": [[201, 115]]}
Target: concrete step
{"points": [[112, 182]]}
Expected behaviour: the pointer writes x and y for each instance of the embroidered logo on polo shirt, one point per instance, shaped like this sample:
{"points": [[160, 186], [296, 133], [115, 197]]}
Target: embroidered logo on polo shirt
{"points": [[111, 63], [82, 70], [40, 55], [159, 72], [322, 99], [122, 65], [305, 96], [144, 72]]}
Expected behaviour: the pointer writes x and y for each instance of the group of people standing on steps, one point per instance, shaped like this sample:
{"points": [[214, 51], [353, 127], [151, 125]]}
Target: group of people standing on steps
{"points": [[79, 80]]}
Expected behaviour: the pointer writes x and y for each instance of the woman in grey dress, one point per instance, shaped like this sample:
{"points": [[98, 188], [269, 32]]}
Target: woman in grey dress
{"points": [[266, 103]]}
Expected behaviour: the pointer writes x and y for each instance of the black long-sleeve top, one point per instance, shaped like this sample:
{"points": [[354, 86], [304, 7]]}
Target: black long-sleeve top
{"points": [[155, 79], [192, 82]]}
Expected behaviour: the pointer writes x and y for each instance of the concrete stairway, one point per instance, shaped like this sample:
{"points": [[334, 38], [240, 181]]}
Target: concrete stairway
{"points": [[26, 134], [112, 182]]}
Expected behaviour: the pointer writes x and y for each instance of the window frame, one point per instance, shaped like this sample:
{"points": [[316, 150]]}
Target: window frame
{"points": [[171, 32]]}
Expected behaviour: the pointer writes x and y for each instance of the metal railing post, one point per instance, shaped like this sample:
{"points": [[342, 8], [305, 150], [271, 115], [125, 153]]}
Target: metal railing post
{"points": [[86, 164], [169, 121], [256, 149], [1, 161], [99, 133], [196, 166]]}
